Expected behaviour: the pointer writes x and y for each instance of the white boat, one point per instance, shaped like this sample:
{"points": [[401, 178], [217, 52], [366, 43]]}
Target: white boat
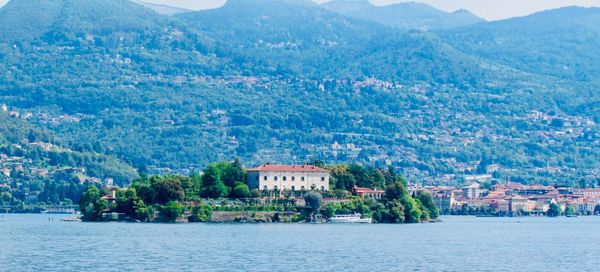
{"points": [[349, 218], [71, 219]]}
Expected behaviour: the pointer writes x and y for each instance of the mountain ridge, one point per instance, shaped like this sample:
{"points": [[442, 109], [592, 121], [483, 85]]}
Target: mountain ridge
{"points": [[274, 81], [406, 15]]}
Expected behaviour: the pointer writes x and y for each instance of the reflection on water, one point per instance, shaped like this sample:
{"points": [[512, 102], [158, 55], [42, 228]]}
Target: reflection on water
{"points": [[35, 243]]}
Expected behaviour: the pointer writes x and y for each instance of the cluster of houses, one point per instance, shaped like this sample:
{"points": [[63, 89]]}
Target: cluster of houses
{"points": [[514, 198]]}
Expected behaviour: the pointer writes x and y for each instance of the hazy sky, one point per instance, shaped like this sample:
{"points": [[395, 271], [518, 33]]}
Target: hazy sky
{"points": [[488, 9]]}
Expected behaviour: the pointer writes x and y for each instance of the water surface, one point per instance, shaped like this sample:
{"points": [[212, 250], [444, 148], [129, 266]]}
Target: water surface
{"points": [[33, 243]]}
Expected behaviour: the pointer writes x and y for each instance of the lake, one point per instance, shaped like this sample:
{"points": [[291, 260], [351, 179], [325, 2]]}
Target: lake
{"points": [[33, 243]]}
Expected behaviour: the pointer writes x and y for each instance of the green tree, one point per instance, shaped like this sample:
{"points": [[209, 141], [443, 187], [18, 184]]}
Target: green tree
{"points": [[91, 205], [427, 201], [395, 212], [570, 210], [212, 183], [171, 211], [6, 198], [240, 190], [126, 201], [142, 212], [313, 201], [329, 210], [233, 172], [412, 213], [196, 180], [396, 191], [201, 213], [165, 190], [554, 210]]}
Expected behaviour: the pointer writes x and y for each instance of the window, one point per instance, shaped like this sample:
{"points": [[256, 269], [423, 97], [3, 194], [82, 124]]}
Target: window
{"points": [[322, 188], [302, 178], [265, 178], [265, 188], [302, 188], [275, 178], [293, 178], [284, 178], [293, 187], [322, 178], [275, 188]]}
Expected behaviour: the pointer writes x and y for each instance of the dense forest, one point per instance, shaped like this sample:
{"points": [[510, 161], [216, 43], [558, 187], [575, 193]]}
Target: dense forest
{"points": [[124, 90]]}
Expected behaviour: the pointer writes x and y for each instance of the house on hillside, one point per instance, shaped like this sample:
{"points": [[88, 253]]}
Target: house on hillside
{"points": [[288, 177]]}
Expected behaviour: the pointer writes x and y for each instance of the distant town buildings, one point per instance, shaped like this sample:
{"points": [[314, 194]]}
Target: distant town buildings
{"points": [[471, 191], [514, 198], [288, 177]]}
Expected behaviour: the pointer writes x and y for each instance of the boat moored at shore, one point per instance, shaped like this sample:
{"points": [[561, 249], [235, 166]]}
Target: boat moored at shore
{"points": [[349, 218]]}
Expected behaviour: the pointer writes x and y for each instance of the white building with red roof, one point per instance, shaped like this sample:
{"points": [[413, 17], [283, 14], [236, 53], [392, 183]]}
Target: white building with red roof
{"points": [[288, 177]]}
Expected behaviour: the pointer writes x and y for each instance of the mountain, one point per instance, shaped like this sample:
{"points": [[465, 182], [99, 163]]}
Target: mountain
{"points": [[561, 42], [98, 59], [289, 81], [33, 153], [404, 15], [162, 9], [13, 25], [283, 37], [299, 38]]}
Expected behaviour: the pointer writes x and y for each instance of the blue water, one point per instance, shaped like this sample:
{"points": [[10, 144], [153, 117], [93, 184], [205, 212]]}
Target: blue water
{"points": [[32, 243]]}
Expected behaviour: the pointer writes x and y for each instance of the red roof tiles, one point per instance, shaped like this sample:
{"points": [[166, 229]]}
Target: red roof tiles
{"points": [[358, 190], [288, 168]]}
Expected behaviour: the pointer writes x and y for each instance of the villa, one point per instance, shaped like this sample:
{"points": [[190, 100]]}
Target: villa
{"points": [[288, 177]]}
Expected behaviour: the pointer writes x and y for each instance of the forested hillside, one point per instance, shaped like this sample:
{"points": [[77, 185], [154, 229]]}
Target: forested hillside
{"points": [[36, 167], [289, 81], [409, 15]]}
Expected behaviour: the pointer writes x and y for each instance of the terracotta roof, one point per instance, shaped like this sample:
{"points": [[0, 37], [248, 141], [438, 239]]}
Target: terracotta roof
{"points": [[288, 168], [367, 190], [107, 197]]}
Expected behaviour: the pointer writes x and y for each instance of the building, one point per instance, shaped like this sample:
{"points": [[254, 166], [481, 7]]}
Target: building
{"points": [[533, 190], [444, 201], [518, 204], [471, 191], [501, 205], [112, 196], [288, 177], [368, 193]]}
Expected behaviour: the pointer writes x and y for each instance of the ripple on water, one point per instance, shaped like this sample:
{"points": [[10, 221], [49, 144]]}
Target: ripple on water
{"points": [[32, 243]]}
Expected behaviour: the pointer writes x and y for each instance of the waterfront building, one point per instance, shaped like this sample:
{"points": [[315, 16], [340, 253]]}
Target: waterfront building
{"points": [[368, 193], [518, 203], [478, 202], [444, 201], [589, 193], [500, 205], [288, 177]]}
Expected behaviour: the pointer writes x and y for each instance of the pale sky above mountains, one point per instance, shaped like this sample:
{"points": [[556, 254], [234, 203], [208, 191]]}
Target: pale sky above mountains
{"points": [[487, 9]]}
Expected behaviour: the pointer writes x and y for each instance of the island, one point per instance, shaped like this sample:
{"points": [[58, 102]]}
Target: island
{"points": [[227, 192]]}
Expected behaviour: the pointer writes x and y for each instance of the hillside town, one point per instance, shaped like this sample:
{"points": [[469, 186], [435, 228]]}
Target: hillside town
{"points": [[452, 133]]}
